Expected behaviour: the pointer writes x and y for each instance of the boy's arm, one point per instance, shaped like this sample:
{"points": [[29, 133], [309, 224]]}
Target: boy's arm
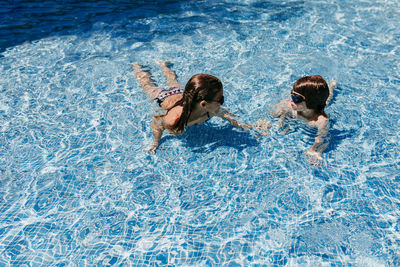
{"points": [[332, 85], [281, 110], [158, 129], [320, 142]]}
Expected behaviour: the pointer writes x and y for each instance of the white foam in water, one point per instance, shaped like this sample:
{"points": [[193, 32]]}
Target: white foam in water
{"points": [[77, 187]]}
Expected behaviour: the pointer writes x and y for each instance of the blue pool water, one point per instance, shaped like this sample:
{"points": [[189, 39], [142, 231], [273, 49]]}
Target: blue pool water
{"points": [[77, 189]]}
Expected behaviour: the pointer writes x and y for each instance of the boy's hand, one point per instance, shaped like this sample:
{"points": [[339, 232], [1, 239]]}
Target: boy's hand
{"points": [[151, 149], [314, 157]]}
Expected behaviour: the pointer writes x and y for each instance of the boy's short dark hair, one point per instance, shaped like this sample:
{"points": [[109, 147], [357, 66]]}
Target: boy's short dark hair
{"points": [[315, 90]]}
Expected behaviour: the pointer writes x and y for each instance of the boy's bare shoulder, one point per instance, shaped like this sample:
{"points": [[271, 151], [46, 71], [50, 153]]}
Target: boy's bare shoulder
{"points": [[321, 122]]}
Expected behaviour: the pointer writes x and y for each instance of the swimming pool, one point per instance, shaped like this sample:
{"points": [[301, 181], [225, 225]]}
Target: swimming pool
{"points": [[77, 189]]}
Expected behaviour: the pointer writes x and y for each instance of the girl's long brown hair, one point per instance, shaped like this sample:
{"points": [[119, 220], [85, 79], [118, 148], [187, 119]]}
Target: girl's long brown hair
{"points": [[315, 90], [199, 87]]}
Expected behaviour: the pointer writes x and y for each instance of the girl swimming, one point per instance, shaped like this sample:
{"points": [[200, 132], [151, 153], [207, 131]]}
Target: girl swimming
{"points": [[308, 98], [200, 100]]}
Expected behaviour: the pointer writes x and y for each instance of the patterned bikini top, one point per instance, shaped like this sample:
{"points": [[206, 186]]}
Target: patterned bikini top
{"points": [[163, 94]]}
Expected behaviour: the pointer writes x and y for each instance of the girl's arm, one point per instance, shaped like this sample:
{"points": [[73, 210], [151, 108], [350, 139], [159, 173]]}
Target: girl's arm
{"points": [[225, 115], [160, 123], [158, 129]]}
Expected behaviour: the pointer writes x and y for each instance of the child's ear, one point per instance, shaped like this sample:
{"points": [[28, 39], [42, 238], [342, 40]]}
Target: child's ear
{"points": [[203, 103]]}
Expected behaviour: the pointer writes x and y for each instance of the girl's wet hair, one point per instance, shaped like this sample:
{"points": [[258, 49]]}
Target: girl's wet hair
{"points": [[199, 87], [315, 90]]}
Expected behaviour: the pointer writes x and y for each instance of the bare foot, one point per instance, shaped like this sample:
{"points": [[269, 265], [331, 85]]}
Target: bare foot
{"points": [[163, 63], [151, 149], [136, 66]]}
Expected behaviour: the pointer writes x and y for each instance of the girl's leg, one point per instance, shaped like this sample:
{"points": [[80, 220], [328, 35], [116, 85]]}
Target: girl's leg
{"points": [[169, 74], [145, 81]]}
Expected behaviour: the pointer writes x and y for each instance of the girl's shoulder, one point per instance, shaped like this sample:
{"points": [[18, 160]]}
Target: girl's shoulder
{"points": [[172, 117]]}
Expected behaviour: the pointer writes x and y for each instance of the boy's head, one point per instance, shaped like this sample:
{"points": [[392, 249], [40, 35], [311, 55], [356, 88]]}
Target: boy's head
{"points": [[313, 90]]}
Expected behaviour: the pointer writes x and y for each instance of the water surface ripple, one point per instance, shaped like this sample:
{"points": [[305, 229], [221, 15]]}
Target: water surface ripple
{"points": [[77, 189]]}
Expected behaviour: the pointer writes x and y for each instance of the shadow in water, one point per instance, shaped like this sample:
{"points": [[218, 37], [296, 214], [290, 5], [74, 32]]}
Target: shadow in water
{"points": [[336, 137], [207, 137]]}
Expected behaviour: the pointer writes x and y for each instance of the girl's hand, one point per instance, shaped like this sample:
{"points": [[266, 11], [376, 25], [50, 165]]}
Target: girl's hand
{"points": [[261, 127]]}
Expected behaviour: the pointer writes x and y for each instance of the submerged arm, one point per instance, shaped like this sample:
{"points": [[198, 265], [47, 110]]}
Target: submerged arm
{"points": [[225, 115], [320, 142], [281, 110], [158, 128]]}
